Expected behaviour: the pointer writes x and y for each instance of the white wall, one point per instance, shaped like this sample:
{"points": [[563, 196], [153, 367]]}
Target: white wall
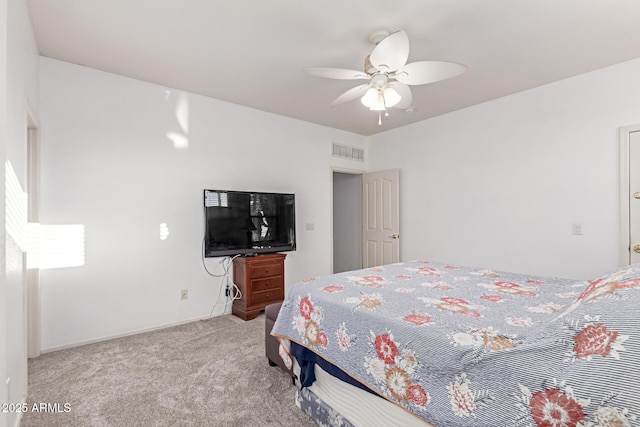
{"points": [[18, 94], [500, 184], [108, 163]]}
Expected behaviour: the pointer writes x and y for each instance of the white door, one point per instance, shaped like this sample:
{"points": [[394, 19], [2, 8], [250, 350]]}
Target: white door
{"points": [[634, 197], [381, 219]]}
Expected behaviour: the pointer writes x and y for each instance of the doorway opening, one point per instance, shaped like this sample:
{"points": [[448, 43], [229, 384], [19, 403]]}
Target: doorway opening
{"points": [[347, 221], [366, 219]]}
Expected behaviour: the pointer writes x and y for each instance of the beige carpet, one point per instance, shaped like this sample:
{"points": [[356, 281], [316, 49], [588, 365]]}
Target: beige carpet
{"points": [[206, 373]]}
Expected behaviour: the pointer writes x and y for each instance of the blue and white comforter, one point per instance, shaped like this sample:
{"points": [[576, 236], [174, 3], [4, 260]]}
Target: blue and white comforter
{"points": [[461, 346]]}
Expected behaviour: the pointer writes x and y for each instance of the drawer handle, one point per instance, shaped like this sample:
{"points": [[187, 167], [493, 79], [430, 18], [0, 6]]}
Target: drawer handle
{"points": [[267, 295], [266, 283]]}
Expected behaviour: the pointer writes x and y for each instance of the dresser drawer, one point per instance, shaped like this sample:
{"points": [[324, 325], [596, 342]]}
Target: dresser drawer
{"points": [[267, 297], [267, 270], [269, 283]]}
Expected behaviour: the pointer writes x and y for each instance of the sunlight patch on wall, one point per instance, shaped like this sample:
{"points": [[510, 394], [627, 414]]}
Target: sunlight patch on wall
{"points": [[16, 207], [182, 113], [48, 246], [164, 231], [56, 246], [180, 139], [180, 142]]}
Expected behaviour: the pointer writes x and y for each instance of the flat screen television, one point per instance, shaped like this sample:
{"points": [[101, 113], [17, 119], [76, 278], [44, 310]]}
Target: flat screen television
{"points": [[247, 223]]}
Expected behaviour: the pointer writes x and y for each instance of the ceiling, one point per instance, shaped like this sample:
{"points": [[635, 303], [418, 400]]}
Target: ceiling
{"points": [[255, 52]]}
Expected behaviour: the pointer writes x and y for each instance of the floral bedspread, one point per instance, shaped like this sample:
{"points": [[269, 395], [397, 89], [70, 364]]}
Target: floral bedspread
{"points": [[460, 346]]}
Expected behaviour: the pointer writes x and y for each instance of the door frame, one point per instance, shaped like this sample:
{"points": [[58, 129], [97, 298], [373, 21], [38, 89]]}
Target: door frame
{"points": [[625, 242], [32, 275]]}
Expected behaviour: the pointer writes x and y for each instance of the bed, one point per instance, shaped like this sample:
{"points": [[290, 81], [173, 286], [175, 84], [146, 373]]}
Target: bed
{"points": [[431, 344]]}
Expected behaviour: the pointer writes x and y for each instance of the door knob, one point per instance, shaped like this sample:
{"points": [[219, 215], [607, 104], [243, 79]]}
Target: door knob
{"points": [[636, 195], [395, 236], [637, 248]]}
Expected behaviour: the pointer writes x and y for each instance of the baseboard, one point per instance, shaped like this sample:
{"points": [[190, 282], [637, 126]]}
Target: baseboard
{"points": [[129, 333], [19, 417]]}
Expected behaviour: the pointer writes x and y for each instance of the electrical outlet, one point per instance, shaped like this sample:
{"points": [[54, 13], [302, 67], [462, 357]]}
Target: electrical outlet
{"points": [[184, 294]]}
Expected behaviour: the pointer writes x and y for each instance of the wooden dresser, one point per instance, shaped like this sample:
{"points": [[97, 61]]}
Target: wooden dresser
{"points": [[261, 280]]}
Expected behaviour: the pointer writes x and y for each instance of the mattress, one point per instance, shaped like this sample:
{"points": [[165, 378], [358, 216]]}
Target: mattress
{"points": [[351, 405]]}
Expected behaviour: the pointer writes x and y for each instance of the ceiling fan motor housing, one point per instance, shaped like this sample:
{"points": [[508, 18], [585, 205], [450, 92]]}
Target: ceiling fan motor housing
{"points": [[368, 67], [379, 81]]}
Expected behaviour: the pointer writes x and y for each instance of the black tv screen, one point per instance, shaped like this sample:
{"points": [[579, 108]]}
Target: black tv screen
{"points": [[244, 222]]}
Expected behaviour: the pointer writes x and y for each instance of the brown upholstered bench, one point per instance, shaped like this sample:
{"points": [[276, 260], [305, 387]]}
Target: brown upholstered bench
{"points": [[271, 344]]}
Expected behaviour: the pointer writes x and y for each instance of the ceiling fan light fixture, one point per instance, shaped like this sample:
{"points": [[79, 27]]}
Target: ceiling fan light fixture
{"points": [[380, 99], [380, 104], [391, 97], [370, 98]]}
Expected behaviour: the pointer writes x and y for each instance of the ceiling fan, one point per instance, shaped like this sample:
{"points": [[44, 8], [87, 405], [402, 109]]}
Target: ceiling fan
{"points": [[388, 74]]}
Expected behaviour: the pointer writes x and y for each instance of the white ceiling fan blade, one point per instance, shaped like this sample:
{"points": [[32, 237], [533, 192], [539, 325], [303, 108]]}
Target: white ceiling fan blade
{"points": [[406, 98], [391, 53], [350, 95], [337, 73], [423, 72]]}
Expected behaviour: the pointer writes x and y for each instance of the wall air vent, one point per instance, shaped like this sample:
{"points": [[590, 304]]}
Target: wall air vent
{"points": [[346, 152]]}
